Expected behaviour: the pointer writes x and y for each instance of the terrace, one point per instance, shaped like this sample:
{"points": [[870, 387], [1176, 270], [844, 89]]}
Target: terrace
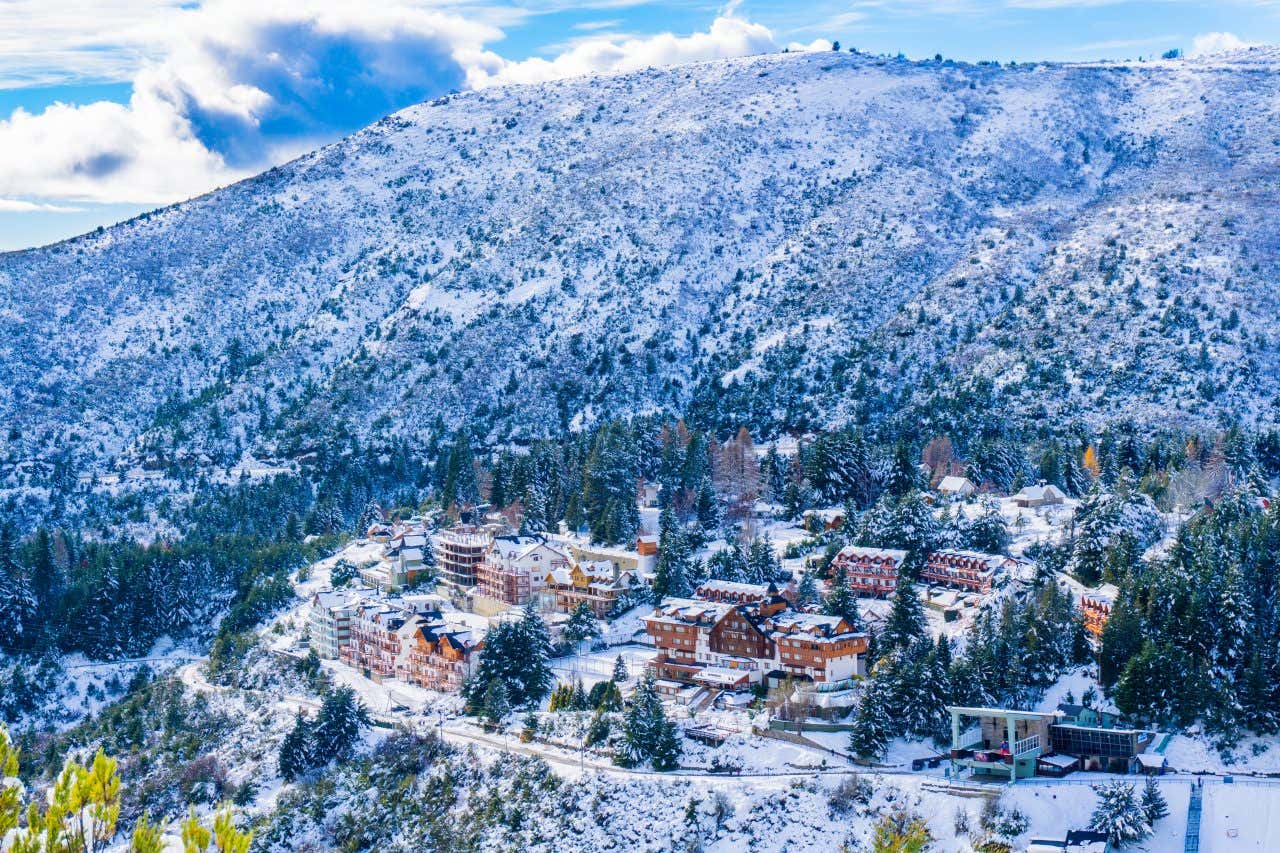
{"points": [[1002, 744]]}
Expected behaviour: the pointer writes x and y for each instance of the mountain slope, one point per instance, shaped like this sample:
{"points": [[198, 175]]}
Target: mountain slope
{"points": [[778, 240]]}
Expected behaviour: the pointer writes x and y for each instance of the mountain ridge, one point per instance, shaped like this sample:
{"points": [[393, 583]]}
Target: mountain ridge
{"points": [[781, 241]]}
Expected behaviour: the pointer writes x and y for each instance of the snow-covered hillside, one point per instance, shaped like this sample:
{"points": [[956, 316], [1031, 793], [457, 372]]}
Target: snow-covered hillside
{"points": [[775, 240]]}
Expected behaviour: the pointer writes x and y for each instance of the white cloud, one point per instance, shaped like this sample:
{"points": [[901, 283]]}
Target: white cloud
{"points": [[17, 205], [727, 36], [1207, 43], [229, 88], [241, 85]]}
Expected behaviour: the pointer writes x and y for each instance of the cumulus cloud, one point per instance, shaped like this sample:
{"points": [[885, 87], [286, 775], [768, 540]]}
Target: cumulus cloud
{"points": [[1207, 43], [235, 86], [728, 36]]}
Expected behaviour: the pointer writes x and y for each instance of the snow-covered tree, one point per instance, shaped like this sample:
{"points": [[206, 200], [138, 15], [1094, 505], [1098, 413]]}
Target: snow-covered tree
{"points": [[807, 594], [297, 750], [906, 622], [872, 728], [582, 625], [1153, 802], [1119, 814], [648, 736], [338, 725], [620, 673], [840, 600], [496, 703]]}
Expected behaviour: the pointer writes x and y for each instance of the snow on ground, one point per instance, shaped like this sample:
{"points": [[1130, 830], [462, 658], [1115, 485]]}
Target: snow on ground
{"points": [[1239, 818], [596, 666], [1251, 754], [88, 686], [1054, 807], [1076, 683]]}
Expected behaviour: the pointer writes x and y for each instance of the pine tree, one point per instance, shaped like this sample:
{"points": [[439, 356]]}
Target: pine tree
{"points": [[534, 659], [620, 673], [872, 728], [670, 576], [17, 601], [906, 622], [648, 736], [338, 725], [496, 703], [1119, 814], [841, 601], [1153, 802], [988, 532], [762, 563], [807, 594], [297, 750], [582, 625]]}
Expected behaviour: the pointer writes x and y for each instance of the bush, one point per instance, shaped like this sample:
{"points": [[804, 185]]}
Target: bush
{"points": [[852, 791]]}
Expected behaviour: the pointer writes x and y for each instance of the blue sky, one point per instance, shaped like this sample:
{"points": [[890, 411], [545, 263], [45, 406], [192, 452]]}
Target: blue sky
{"points": [[145, 102]]}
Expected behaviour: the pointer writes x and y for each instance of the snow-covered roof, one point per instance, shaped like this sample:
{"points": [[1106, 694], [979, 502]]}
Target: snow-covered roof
{"points": [[1152, 760], [1040, 491], [854, 552], [726, 587], [955, 484], [1063, 761], [1106, 593]]}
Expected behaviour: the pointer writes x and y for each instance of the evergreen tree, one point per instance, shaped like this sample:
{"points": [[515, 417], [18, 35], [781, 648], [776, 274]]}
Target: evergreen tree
{"points": [[1153, 802], [988, 532], [872, 728], [17, 601], [807, 595], [582, 625], [648, 736], [338, 725], [297, 750], [620, 673], [906, 622], [1119, 814], [609, 480], [535, 640], [762, 563], [841, 601], [671, 572], [496, 703], [460, 484]]}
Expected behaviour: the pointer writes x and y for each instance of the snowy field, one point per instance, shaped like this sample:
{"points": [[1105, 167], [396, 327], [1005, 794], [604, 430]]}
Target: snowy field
{"points": [[1240, 818]]}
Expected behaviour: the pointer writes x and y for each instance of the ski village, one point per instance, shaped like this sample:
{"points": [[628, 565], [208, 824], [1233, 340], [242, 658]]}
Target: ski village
{"points": [[941, 667]]}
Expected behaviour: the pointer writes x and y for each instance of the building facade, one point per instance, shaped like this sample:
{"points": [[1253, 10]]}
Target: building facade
{"points": [[514, 570], [733, 636], [870, 571], [971, 570], [458, 551], [329, 620], [597, 585], [1096, 606], [437, 656]]}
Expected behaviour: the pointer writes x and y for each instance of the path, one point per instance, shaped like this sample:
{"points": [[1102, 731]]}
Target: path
{"points": [[1193, 819]]}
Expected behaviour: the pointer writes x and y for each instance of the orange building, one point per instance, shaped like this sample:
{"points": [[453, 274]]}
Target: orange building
{"points": [[972, 570], [437, 657], [733, 636], [1096, 606], [870, 571]]}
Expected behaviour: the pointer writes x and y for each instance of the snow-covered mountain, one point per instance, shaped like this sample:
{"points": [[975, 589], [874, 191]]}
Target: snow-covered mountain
{"points": [[778, 240]]}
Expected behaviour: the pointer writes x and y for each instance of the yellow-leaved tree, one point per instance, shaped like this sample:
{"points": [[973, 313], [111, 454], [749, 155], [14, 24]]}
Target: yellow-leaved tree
{"points": [[900, 831], [82, 811], [1090, 461]]}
